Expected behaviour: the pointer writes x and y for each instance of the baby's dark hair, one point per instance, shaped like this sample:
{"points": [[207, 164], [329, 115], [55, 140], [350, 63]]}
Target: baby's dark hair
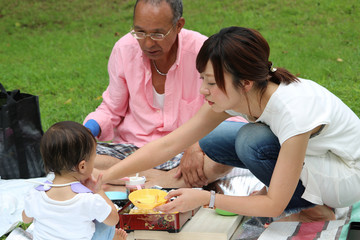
{"points": [[65, 145]]}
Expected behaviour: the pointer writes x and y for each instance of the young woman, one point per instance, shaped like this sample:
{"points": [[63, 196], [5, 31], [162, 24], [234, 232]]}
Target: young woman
{"points": [[303, 144], [65, 208]]}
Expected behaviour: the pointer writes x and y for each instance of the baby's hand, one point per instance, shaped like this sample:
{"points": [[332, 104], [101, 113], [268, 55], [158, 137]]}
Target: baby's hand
{"points": [[93, 184]]}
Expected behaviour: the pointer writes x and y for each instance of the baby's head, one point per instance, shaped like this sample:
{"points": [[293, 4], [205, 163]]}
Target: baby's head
{"points": [[65, 145]]}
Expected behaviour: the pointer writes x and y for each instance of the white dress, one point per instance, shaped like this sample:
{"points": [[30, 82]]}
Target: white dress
{"points": [[70, 219], [331, 172]]}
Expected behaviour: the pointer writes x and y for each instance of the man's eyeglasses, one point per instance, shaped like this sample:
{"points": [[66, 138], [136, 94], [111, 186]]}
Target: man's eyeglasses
{"points": [[153, 36]]}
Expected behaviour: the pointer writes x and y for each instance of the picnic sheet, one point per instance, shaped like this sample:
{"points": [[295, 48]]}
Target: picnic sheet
{"points": [[238, 182], [329, 230], [12, 193]]}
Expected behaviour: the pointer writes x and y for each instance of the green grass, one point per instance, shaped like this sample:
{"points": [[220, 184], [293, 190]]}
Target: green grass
{"points": [[21, 225], [59, 49]]}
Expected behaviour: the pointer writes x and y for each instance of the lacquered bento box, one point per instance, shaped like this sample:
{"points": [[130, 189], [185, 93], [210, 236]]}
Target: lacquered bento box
{"points": [[171, 222]]}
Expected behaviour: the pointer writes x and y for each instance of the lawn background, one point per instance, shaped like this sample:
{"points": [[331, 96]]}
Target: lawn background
{"points": [[59, 49]]}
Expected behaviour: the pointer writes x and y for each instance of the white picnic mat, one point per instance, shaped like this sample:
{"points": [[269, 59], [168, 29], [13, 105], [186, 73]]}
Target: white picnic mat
{"points": [[12, 194]]}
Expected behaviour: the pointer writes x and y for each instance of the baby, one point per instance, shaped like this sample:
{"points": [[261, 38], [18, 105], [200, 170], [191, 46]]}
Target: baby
{"points": [[73, 206]]}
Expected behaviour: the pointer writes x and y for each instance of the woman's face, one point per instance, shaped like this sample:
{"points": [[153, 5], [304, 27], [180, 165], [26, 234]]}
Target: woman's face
{"points": [[216, 98]]}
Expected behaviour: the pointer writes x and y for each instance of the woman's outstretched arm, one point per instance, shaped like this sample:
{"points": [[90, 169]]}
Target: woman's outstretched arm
{"points": [[163, 149]]}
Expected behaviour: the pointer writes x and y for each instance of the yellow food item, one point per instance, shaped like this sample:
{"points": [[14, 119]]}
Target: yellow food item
{"points": [[143, 211]]}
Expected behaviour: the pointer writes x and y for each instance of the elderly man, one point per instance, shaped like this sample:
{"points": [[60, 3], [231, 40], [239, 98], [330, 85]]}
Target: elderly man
{"points": [[153, 89]]}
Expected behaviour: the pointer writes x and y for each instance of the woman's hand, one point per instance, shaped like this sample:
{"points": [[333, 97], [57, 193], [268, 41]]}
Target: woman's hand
{"points": [[186, 199]]}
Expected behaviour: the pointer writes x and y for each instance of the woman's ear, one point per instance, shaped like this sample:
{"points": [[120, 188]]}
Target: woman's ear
{"points": [[81, 166], [247, 85]]}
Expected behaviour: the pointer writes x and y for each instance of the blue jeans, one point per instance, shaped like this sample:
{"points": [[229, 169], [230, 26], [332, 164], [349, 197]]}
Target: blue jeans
{"points": [[103, 231], [253, 146]]}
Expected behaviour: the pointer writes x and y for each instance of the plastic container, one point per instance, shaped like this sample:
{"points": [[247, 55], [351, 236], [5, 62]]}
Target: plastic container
{"points": [[116, 195], [224, 213], [134, 183], [148, 198], [118, 198]]}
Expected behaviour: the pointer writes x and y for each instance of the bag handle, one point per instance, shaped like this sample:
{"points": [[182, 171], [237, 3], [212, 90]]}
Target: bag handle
{"points": [[9, 98], [3, 89]]}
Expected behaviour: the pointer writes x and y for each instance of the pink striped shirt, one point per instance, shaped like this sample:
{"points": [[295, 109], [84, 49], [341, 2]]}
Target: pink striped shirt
{"points": [[127, 113]]}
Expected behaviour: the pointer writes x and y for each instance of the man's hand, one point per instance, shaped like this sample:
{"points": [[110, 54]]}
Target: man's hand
{"points": [[192, 167]]}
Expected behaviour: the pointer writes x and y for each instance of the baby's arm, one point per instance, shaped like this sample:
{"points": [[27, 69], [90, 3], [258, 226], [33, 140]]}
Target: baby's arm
{"points": [[25, 218], [95, 186], [113, 217]]}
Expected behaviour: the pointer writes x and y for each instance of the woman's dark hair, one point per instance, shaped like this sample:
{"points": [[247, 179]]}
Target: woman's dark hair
{"points": [[65, 145], [243, 53]]}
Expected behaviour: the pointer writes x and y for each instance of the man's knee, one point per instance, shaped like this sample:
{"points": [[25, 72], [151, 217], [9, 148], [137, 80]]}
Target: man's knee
{"points": [[104, 161], [216, 168]]}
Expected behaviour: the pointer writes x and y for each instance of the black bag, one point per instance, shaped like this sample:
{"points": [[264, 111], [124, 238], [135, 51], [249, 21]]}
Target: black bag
{"points": [[20, 135]]}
